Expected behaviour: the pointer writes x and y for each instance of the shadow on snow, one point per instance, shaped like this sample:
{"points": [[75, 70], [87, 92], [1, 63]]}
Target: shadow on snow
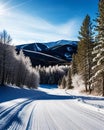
{"points": [[9, 93]]}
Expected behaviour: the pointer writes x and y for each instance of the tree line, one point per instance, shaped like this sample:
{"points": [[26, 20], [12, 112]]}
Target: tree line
{"points": [[88, 62], [15, 69], [51, 74]]}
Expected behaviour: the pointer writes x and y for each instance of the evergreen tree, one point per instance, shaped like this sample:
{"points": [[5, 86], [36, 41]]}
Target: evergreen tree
{"points": [[69, 80], [74, 65], [98, 51], [84, 55], [63, 83]]}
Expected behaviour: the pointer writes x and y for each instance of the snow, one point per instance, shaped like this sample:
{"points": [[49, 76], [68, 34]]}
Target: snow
{"points": [[67, 55], [37, 47], [49, 108], [60, 42], [42, 54], [69, 49], [100, 60], [96, 74], [96, 103]]}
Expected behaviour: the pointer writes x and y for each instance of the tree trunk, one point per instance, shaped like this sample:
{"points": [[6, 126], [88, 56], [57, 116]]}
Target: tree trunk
{"points": [[89, 87], [89, 76], [3, 71], [86, 86]]}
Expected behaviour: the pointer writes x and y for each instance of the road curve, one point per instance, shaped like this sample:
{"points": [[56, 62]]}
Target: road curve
{"points": [[49, 112]]}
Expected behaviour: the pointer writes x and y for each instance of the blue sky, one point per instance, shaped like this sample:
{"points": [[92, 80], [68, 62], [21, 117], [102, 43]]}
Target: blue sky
{"points": [[44, 20]]}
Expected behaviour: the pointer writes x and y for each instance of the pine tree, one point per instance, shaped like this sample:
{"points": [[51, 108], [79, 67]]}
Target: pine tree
{"points": [[84, 55], [98, 51], [69, 80], [63, 82], [74, 65]]}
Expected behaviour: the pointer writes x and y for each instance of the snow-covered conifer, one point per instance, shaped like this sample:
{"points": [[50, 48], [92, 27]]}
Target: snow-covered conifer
{"points": [[69, 80], [84, 53], [98, 52]]}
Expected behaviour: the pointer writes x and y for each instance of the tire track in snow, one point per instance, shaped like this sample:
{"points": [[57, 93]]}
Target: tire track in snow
{"points": [[49, 114], [47, 119], [11, 114], [30, 121], [41, 120], [25, 116]]}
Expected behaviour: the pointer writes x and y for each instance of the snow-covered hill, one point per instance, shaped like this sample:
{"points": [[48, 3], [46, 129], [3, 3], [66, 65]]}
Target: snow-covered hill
{"points": [[61, 50], [61, 42], [49, 109], [43, 46]]}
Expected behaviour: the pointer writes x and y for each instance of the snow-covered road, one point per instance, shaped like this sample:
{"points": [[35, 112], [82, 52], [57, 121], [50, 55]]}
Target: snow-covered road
{"points": [[48, 110]]}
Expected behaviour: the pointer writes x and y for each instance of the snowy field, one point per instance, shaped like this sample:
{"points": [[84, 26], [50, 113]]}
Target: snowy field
{"points": [[49, 108]]}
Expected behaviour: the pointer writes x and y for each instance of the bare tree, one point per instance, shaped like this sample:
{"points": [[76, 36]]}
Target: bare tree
{"points": [[5, 39]]}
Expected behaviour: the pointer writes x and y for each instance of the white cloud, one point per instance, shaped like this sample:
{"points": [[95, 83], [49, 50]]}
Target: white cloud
{"points": [[25, 28]]}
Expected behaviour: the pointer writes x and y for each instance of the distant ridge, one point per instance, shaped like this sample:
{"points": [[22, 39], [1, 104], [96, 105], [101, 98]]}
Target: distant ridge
{"points": [[60, 42], [50, 53]]}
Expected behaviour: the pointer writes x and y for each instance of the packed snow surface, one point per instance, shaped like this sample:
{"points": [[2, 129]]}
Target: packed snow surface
{"points": [[49, 108]]}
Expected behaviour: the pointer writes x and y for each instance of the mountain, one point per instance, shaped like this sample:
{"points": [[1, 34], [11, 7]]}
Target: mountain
{"points": [[60, 42], [51, 53], [38, 58], [33, 46], [62, 51]]}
